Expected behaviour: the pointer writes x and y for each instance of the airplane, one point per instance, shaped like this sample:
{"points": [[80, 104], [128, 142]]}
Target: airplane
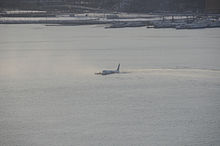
{"points": [[107, 72]]}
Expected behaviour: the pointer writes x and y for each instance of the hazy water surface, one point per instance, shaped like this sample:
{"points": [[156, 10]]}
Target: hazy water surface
{"points": [[167, 94]]}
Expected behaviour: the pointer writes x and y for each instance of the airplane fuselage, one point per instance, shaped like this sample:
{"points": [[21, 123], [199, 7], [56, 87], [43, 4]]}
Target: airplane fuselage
{"points": [[107, 72]]}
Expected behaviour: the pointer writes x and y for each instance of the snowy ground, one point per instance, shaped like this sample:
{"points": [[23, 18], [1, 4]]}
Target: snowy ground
{"points": [[167, 94]]}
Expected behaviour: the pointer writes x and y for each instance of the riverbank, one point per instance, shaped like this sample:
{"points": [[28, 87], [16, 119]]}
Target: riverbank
{"points": [[118, 20]]}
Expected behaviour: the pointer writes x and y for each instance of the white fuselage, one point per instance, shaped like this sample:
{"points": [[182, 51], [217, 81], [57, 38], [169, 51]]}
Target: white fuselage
{"points": [[107, 72]]}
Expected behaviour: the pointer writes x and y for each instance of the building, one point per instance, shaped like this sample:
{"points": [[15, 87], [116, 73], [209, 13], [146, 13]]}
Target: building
{"points": [[212, 6]]}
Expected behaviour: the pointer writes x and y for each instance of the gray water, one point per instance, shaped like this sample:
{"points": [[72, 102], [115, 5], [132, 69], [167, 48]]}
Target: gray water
{"points": [[167, 94]]}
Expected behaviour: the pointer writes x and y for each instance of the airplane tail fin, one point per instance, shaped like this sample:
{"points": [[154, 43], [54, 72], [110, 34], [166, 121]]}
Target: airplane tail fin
{"points": [[118, 67]]}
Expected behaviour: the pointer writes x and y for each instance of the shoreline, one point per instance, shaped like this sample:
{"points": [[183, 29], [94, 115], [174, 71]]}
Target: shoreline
{"points": [[122, 20]]}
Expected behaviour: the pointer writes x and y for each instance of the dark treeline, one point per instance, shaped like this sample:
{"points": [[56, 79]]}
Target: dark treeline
{"points": [[156, 5], [114, 5]]}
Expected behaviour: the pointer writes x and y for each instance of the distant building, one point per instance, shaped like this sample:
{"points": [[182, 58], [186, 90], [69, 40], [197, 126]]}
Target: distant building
{"points": [[212, 6]]}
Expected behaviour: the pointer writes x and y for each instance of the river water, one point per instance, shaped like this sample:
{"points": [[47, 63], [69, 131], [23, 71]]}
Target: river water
{"points": [[166, 94]]}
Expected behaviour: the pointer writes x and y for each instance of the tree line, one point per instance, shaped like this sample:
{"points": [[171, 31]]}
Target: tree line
{"points": [[114, 5]]}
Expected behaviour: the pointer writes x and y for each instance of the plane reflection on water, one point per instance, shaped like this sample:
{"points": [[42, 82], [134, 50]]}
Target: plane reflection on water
{"points": [[108, 72]]}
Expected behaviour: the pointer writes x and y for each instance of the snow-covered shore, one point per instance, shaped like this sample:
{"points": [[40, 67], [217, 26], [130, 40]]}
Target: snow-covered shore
{"points": [[123, 20]]}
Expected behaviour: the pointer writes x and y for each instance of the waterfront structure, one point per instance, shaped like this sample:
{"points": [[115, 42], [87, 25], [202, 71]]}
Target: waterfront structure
{"points": [[212, 6]]}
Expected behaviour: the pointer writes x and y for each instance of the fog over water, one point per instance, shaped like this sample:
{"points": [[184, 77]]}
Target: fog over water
{"points": [[166, 94]]}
